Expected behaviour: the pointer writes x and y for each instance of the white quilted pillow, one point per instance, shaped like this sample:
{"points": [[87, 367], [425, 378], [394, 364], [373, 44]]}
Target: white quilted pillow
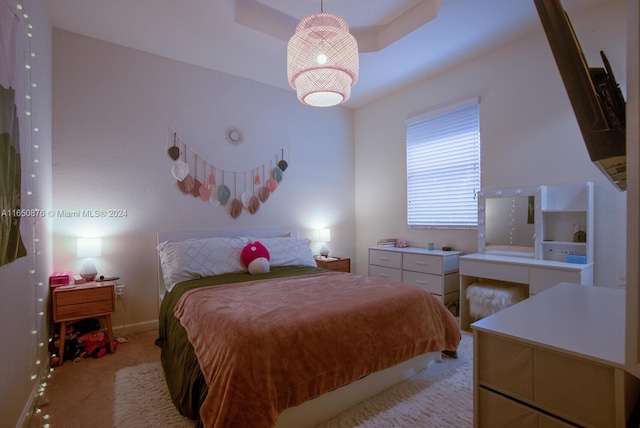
{"points": [[289, 251], [196, 258]]}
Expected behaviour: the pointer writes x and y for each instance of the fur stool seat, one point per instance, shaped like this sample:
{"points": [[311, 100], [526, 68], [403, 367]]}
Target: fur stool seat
{"points": [[486, 298]]}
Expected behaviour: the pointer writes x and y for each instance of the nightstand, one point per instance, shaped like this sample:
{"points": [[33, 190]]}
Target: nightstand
{"points": [[76, 302], [334, 263]]}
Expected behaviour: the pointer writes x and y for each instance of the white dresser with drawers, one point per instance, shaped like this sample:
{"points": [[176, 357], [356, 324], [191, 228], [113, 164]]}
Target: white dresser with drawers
{"points": [[554, 360], [432, 270]]}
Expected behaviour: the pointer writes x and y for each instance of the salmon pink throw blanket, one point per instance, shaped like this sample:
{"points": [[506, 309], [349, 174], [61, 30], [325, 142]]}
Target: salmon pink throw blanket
{"points": [[267, 345]]}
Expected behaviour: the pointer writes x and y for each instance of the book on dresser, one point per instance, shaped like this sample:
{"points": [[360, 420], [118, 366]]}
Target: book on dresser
{"points": [[387, 243]]}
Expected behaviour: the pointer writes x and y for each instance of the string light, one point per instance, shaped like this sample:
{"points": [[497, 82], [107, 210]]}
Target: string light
{"points": [[512, 220], [26, 27]]}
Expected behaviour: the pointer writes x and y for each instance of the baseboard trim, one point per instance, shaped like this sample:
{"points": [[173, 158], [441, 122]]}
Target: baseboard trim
{"points": [[32, 402], [28, 407], [139, 327]]}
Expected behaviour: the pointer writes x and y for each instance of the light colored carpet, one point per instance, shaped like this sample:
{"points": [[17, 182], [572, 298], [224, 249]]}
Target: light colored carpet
{"points": [[142, 399], [440, 396]]}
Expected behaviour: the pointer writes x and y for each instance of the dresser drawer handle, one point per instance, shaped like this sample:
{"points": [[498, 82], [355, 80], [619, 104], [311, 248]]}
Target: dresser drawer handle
{"points": [[384, 258], [384, 275], [421, 263], [421, 282]]}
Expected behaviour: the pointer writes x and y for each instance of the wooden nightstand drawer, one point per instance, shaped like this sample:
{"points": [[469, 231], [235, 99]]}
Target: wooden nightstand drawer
{"points": [[341, 265], [72, 297], [82, 309]]}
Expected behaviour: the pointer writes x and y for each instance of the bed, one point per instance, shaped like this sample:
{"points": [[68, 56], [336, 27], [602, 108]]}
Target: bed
{"points": [[289, 348]]}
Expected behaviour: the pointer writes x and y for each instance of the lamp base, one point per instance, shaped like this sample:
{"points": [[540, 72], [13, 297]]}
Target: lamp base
{"points": [[89, 277], [324, 251], [88, 271]]}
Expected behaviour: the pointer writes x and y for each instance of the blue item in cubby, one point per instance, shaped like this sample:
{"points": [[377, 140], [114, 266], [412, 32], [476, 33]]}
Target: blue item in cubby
{"points": [[575, 258]]}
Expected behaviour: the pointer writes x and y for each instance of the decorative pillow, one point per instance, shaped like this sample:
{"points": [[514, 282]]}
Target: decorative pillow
{"points": [[255, 257], [196, 258], [289, 251]]}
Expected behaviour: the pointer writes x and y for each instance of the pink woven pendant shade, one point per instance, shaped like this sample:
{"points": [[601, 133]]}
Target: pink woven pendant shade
{"points": [[322, 60]]}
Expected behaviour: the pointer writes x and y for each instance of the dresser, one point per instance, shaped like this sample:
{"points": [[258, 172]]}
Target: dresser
{"points": [[554, 360], [432, 270], [533, 274]]}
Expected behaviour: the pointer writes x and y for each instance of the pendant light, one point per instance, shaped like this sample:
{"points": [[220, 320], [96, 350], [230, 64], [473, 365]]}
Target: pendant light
{"points": [[322, 60]]}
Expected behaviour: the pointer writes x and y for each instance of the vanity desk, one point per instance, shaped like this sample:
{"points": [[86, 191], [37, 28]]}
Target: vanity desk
{"points": [[557, 358], [535, 275], [532, 238]]}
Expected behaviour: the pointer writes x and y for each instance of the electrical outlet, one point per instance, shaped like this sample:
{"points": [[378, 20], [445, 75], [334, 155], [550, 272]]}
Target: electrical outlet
{"points": [[120, 291]]}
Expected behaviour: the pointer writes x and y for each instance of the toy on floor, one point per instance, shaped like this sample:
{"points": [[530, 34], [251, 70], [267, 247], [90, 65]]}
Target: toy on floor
{"points": [[82, 339], [93, 344]]}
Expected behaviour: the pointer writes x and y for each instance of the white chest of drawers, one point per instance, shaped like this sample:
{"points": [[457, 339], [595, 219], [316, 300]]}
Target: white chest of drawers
{"points": [[432, 270], [548, 362]]}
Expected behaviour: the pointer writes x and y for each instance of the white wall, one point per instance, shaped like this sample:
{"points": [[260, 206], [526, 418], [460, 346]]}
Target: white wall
{"points": [[529, 137], [111, 105], [22, 298]]}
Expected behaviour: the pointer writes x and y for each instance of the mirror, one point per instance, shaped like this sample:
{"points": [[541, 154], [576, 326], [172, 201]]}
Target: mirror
{"points": [[506, 222]]}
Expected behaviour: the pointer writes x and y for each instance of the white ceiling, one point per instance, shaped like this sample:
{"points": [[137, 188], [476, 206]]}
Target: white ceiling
{"points": [[248, 38]]}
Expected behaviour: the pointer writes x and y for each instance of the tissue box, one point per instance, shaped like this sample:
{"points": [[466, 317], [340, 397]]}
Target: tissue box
{"points": [[60, 278], [574, 258]]}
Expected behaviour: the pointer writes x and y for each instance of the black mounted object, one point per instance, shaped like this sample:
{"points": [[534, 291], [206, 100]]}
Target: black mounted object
{"points": [[594, 94]]}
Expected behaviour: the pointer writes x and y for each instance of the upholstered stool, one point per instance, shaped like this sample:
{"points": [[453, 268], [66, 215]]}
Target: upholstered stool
{"points": [[486, 298]]}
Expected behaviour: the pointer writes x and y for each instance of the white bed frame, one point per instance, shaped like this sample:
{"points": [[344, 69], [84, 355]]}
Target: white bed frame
{"points": [[317, 410]]}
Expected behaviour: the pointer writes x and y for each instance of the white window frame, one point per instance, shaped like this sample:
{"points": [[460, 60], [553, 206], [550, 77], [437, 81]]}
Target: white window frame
{"points": [[443, 167]]}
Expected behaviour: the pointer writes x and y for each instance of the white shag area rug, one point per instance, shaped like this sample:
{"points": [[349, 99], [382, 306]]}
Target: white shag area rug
{"points": [[440, 396], [142, 399]]}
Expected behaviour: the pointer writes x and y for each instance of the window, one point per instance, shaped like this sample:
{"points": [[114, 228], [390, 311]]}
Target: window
{"points": [[443, 167]]}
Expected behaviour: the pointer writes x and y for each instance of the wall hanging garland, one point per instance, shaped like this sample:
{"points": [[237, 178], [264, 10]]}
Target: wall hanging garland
{"points": [[201, 179]]}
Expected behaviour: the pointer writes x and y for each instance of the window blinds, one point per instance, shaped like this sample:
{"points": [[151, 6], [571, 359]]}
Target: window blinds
{"points": [[443, 167]]}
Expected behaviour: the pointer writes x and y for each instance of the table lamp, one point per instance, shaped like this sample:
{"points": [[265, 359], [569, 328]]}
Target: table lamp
{"points": [[88, 248], [324, 236]]}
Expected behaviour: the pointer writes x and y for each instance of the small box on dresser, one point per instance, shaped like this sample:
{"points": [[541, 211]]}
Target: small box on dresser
{"points": [[57, 279]]}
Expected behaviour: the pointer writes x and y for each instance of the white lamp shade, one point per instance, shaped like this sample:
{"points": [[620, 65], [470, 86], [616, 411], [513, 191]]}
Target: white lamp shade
{"points": [[324, 235], [89, 247], [322, 60]]}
